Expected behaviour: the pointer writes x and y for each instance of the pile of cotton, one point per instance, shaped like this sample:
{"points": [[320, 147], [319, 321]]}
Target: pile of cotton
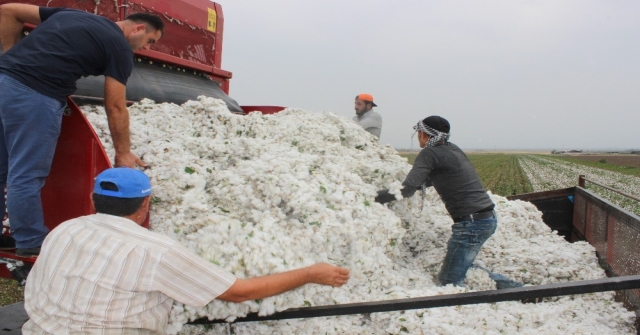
{"points": [[261, 194]]}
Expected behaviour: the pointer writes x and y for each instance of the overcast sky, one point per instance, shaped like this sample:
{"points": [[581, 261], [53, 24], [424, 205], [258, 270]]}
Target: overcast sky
{"points": [[513, 74]]}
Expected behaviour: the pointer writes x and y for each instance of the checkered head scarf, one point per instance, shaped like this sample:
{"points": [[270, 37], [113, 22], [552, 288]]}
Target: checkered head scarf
{"points": [[436, 127], [438, 130]]}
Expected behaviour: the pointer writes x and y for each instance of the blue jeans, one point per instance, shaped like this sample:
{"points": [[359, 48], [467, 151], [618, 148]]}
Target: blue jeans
{"points": [[463, 247], [29, 128]]}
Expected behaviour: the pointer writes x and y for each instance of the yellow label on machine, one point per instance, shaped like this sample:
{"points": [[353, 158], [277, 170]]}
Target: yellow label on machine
{"points": [[213, 19]]}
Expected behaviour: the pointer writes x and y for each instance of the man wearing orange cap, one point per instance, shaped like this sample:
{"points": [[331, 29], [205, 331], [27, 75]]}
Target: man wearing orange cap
{"points": [[365, 116]]}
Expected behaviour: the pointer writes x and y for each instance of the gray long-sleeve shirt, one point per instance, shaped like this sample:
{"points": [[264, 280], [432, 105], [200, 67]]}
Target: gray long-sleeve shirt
{"points": [[448, 169], [371, 122]]}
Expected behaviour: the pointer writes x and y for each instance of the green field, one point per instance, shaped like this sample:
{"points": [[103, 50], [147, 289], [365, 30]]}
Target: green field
{"points": [[500, 173], [410, 157]]}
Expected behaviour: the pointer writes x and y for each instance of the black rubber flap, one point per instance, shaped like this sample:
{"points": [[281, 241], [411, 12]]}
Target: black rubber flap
{"points": [[158, 83]]}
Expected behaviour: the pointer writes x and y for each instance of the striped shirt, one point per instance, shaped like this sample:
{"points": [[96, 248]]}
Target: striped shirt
{"points": [[104, 274]]}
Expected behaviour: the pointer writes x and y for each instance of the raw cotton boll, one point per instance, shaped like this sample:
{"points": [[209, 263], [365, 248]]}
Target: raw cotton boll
{"points": [[480, 279], [261, 194], [395, 188]]}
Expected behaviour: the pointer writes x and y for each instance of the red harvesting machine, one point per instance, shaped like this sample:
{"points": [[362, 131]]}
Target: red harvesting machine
{"points": [[184, 64]]}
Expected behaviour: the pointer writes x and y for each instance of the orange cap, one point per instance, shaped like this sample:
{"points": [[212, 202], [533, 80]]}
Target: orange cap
{"points": [[366, 97]]}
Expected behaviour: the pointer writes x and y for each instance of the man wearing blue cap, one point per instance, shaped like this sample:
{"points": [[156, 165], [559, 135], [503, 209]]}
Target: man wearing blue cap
{"points": [[104, 272]]}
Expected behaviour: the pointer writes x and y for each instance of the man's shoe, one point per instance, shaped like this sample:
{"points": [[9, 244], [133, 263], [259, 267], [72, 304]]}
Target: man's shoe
{"points": [[7, 242], [28, 252], [19, 271]]}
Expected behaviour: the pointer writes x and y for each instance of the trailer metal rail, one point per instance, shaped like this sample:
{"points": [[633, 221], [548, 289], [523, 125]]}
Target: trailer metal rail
{"points": [[481, 297], [581, 183]]}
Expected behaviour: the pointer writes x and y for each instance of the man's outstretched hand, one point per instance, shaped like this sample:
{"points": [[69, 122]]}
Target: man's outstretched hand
{"points": [[327, 274]]}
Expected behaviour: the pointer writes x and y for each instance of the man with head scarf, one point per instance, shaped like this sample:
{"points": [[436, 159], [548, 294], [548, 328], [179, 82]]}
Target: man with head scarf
{"points": [[443, 165]]}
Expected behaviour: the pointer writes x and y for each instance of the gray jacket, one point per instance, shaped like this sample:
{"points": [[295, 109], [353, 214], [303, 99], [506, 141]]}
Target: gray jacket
{"points": [[448, 169], [371, 122]]}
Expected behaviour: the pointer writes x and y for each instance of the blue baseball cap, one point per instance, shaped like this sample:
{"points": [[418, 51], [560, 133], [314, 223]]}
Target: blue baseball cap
{"points": [[131, 183]]}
